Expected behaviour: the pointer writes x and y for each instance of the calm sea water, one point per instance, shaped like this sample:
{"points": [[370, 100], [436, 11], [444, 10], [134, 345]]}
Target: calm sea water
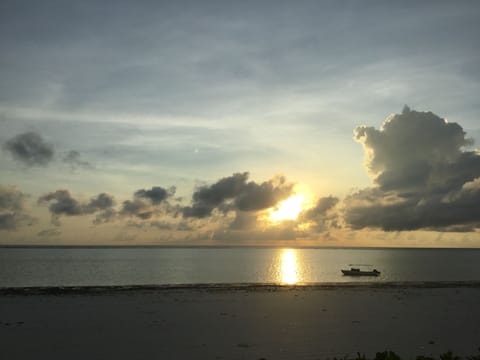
{"points": [[142, 266]]}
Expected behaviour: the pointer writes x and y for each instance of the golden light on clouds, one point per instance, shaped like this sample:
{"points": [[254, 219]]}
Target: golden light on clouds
{"points": [[288, 209], [291, 208]]}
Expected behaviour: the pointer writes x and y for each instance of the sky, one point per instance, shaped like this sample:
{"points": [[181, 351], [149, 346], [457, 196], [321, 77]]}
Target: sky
{"points": [[307, 123]]}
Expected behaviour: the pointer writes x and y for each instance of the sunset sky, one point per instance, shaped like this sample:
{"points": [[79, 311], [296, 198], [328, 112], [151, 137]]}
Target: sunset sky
{"points": [[240, 123]]}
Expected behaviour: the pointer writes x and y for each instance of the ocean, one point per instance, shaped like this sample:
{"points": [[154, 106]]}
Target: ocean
{"points": [[82, 266]]}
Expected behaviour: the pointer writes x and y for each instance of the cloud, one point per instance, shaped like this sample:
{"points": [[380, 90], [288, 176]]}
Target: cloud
{"points": [[73, 159], [178, 226], [145, 202], [156, 194], [424, 178], [322, 206], [105, 216], [62, 203], [103, 201], [244, 221], [138, 208], [11, 199], [49, 233], [102, 206], [287, 231], [256, 197], [30, 149], [143, 206], [236, 193], [12, 209], [7, 221], [323, 215]]}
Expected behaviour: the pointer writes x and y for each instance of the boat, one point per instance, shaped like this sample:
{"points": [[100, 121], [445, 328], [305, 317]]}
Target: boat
{"points": [[358, 272]]}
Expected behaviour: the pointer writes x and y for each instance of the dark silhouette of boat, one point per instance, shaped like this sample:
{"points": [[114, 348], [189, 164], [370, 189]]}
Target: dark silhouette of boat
{"points": [[358, 272]]}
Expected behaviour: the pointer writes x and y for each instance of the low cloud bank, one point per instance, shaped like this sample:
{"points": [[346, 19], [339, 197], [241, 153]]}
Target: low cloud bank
{"points": [[61, 203]]}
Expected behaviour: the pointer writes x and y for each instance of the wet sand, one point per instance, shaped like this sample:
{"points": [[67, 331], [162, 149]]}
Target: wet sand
{"points": [[238, 322]]}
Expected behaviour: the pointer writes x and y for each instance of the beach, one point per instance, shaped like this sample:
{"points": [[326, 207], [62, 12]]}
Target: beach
{"points": [[239, 321]]}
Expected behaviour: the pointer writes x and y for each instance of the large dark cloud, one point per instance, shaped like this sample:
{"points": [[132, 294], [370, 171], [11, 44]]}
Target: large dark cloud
{"points": [[30, 149], [235, 192], [62, 203], [12, 209], [424, 176]]}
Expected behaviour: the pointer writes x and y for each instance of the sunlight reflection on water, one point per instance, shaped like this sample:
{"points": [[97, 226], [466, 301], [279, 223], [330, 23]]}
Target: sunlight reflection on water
{"points": [[289, 267]]}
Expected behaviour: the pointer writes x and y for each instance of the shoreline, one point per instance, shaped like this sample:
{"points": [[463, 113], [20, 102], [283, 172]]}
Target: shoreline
{"points": [[92, 289]]}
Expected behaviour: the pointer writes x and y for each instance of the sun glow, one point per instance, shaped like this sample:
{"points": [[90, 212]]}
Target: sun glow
{"points": [[288, 209]]}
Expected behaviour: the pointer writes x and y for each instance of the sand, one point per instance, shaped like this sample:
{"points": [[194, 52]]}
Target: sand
{"points": [[238, 322]]}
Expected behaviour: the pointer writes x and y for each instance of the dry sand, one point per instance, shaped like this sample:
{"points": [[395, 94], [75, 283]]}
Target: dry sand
{"points": [[238, 322]]}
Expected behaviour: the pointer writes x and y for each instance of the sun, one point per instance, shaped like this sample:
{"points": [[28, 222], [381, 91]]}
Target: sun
{"points": [[288, 209]]}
